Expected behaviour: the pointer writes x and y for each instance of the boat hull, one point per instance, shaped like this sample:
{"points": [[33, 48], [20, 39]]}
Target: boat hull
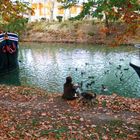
{"points": [[136, 68], [8, 60]]}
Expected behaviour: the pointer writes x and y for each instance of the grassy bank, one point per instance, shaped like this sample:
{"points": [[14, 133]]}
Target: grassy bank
{"points": [[34, 114], [74, 32]]}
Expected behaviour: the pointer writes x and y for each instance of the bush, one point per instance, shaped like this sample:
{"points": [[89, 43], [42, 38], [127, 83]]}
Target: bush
{"points": [[43, 19], [59, 18], [91, 34]]}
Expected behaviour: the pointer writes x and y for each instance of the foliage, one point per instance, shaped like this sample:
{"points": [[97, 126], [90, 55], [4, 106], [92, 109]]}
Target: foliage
{"points": [[67, 3], [12, 15], [38, 26], [114, 9], [14, 26], [59, 18], [110, 11], [86, 10]]}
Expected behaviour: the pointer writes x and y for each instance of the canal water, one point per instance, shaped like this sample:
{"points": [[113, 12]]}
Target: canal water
{"points": [[47, 65]]}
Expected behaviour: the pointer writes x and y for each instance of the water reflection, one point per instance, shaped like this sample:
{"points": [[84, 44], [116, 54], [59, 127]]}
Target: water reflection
{"points": [[10, 78], [46, 66]]}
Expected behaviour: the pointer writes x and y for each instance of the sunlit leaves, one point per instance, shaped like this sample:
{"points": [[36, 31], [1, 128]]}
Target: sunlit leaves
{"points": [[15, 26], [12, 15], [111, 11], [67, 3]]}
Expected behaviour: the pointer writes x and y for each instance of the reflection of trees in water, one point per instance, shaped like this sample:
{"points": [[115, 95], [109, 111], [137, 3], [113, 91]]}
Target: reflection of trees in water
{"points": [[10, 78], [47, 67]]}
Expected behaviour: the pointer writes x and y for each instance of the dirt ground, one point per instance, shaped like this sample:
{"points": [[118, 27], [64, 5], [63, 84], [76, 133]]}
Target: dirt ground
{"points": [[32, 113]]}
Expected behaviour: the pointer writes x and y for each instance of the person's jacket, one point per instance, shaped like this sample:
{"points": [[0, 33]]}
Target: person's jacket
{"points": [[69, 91]]}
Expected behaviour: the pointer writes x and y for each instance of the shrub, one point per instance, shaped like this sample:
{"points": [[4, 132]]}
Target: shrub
{"points": [[59, 18]]}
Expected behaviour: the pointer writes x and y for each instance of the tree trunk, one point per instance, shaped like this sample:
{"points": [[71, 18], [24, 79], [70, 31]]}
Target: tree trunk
{"points": [[107, 25], [52, 10]]}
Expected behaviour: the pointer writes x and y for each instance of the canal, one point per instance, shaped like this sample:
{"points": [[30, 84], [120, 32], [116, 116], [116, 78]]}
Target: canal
{"points": [[47, 65]]}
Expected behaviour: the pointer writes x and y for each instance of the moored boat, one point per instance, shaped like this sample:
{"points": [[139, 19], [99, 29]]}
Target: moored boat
{"points": [[8, 51], [135, 61]]}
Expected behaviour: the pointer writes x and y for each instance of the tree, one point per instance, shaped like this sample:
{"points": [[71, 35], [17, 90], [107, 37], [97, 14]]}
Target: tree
{"points": [[125, 11], [67, 4], [114, 10], [12, 15], [52, 9]]}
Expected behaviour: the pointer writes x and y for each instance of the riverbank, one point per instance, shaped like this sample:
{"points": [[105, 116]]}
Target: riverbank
{"points": [[75, 32], [32, 113]]}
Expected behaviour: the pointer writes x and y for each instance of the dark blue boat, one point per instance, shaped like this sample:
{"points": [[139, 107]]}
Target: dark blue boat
{"points": [[8, 52], [135, 61]]}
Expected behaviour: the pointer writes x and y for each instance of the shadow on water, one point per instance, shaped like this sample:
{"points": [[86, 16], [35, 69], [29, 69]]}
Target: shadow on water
{"points": [[10, 78]]}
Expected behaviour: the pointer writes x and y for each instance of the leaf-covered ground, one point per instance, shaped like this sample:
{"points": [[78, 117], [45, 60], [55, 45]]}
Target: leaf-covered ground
{"points": [[33, 114]]}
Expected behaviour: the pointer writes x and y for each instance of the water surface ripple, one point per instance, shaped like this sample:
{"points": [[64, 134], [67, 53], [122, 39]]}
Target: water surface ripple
{"points": [[46, 66]]}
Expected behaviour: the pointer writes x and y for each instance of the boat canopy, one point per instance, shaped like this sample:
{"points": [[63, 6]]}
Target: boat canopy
{"points": [[11, 36]]}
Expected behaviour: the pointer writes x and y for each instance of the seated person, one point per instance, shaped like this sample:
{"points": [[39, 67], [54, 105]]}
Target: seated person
{"points": [[9, 46], [69, 90]]}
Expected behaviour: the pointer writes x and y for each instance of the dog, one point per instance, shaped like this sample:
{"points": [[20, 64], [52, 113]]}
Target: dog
{"points": [[87, 98]]}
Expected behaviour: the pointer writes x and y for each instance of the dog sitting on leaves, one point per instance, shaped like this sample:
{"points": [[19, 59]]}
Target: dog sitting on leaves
{"points": [[87, 98]]}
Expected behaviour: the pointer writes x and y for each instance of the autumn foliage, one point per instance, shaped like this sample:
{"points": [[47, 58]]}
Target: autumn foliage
{"points": [[34, 114], [124, 12], [12, 15]]}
